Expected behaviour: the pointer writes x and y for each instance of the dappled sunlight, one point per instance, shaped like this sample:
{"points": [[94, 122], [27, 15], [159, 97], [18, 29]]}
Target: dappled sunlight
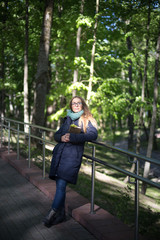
{"points": [[116, 187], [153, 193], [102, 177]]}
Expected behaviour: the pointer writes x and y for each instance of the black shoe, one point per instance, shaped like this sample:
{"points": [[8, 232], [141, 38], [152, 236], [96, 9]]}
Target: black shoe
{"points": [[49, 218], [60, 216]]}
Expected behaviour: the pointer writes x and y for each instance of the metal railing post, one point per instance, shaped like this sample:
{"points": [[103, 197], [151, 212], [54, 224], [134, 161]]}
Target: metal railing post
{"points": [[29, 148], [93, 181], [1, 131], [18, 142], [44, 138], [136, 233], [9, 125]]}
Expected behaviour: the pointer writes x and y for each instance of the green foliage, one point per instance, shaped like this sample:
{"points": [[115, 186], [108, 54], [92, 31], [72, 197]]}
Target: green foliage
{"points": [[84, 21], [111, 98], [80, 63], [77, 85], [57, 115]]}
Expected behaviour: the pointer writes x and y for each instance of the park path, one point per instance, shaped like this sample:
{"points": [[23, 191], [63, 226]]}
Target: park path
{"points": [[22, 208]]}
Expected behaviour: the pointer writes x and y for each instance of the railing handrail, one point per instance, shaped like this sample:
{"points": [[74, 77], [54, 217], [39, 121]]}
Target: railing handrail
{"points": [[136, 157], [117, 149], [126, 152], [29, 124], [128, 173]]}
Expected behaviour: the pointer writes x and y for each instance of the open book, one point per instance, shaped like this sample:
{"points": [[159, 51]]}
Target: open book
{"points": [[74, 129]]}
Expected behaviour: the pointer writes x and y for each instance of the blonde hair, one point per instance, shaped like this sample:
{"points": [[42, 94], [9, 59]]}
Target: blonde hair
{"points": [[86, 117]]}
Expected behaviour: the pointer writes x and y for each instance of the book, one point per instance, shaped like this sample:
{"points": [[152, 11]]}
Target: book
{"points": [[74, 129]]}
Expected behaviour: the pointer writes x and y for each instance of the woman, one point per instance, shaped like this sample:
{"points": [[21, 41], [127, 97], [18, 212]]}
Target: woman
{"points": [[67, 154]]}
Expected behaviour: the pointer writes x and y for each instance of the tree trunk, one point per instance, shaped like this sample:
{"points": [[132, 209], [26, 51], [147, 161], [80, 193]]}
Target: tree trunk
{"points": [[42, 75], [2, 63], [154, 114], [51, 109], [140, 122], [130, 117], [78, 39], [2, 76], [25, 80], [93, 54]]}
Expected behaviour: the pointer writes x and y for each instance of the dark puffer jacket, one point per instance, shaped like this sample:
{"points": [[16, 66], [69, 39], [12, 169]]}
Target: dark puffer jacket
{"points": [[67, 157]]}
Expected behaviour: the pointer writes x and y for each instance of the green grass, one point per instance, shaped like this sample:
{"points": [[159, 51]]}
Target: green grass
{"points": [[119, 202]]}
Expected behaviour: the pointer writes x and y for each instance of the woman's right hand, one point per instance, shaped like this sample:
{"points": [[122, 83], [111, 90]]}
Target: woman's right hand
{"points": [[65, 138]]}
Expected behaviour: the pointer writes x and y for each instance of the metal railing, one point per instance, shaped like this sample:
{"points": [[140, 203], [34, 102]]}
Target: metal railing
{"points": [[7, 123]]}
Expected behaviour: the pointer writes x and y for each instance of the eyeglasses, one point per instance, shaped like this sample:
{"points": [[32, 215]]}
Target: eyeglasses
{"points": [[76, 104]]}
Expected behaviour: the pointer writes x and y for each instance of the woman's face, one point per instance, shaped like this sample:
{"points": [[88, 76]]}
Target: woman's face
{"points": [[76, 105]]}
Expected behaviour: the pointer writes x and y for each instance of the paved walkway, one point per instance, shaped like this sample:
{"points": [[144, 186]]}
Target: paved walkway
{"points": [[22, 208]]}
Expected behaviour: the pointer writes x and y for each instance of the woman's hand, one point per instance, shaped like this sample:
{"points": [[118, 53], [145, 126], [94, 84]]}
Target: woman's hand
{"points": [[65, 138]]}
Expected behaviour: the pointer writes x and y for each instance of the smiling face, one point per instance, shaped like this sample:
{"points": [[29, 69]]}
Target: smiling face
{"points": [[76, 105]]}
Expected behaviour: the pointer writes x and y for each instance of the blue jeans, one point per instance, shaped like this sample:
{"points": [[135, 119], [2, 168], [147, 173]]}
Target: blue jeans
{"points": [[60, 196]]}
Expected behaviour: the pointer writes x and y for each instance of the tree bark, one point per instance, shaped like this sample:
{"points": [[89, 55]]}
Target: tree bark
{"points": [[25, 80], [51, 109], [2, 63], [154, 114], [130, 117], [2, 76], [140, 122], [42, 75], [78, 39], [93, 54]]}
